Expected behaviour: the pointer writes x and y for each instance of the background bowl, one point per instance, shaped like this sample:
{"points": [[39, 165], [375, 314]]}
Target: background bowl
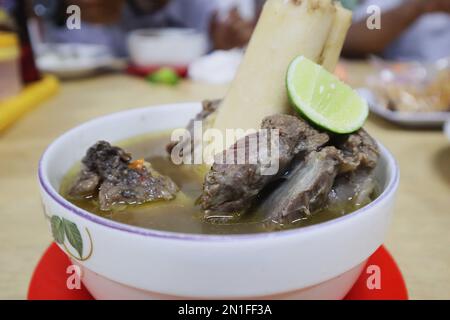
{"points": [[73, 60], [166, 47], [119, 261]]}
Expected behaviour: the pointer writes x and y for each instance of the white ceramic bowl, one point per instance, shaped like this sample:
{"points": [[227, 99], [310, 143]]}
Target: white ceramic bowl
{"points": [[73, 60], [125, 262], [171, 46]]}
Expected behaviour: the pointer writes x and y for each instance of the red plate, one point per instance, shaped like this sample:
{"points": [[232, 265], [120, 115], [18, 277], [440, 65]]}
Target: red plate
{"points": [[49, 279]]}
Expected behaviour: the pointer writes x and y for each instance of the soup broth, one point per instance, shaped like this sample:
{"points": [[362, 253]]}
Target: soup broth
{"points": [[182, 214]]}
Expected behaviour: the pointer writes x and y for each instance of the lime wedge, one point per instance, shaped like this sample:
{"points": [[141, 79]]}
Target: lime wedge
{"points": [[164, 76], [323, 99]]}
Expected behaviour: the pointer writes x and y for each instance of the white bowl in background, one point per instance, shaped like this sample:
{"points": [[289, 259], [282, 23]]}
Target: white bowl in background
{"points": [[73, 60], [120, 261], [166, 46]]}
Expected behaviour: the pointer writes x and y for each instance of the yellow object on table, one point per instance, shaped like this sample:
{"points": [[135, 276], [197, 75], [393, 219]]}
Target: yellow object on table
{"points": [[9, 45], [32, 95]]}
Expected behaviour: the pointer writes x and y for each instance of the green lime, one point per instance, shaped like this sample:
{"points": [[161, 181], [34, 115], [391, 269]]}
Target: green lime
{"points": [[164, 76], [322, 98]]}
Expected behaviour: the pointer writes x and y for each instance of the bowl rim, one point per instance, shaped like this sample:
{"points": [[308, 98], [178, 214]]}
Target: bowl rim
{"points": [[389, 190]]}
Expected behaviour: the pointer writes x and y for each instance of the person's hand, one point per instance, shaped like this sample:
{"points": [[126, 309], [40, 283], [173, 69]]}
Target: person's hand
{"points": [[99, 11], [431, 6], [232, 33]]}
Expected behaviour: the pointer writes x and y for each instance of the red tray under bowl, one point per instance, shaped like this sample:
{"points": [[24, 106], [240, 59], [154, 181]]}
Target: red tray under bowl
{"points": [[49, 279]]}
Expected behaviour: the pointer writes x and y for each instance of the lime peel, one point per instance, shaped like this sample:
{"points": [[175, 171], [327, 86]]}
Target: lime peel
{"points": [[164, 76], [323, 99]]}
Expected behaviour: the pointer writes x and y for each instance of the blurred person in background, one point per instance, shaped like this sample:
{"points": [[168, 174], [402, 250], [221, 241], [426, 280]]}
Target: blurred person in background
{"points": [[410, 30], [107, 22]]}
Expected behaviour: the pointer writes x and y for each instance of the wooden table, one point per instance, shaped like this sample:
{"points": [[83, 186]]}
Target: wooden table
{"points": [[419, 238]]}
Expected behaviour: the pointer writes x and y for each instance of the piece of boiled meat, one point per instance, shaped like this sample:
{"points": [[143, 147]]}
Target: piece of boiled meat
{"points": [[232, 187], [359, 149], [355, 189], [136, 186], [109, 171], [305, 189]]}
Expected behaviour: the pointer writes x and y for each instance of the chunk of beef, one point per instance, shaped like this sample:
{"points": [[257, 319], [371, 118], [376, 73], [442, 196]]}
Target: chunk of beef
{"points": [[355, 189], [232, 187], [101, 162], [86, 184], [136, 186], [109, 170], [209, 107], [296, 134], [359, 150], [356, 183], [106, 160], [305, 189]]}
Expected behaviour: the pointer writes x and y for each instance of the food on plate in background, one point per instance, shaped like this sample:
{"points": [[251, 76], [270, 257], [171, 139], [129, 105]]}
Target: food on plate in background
{"points": [[413, 87]]}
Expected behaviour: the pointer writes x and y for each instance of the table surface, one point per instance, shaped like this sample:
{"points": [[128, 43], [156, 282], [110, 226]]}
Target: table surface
{"points": [[419, 237]]}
